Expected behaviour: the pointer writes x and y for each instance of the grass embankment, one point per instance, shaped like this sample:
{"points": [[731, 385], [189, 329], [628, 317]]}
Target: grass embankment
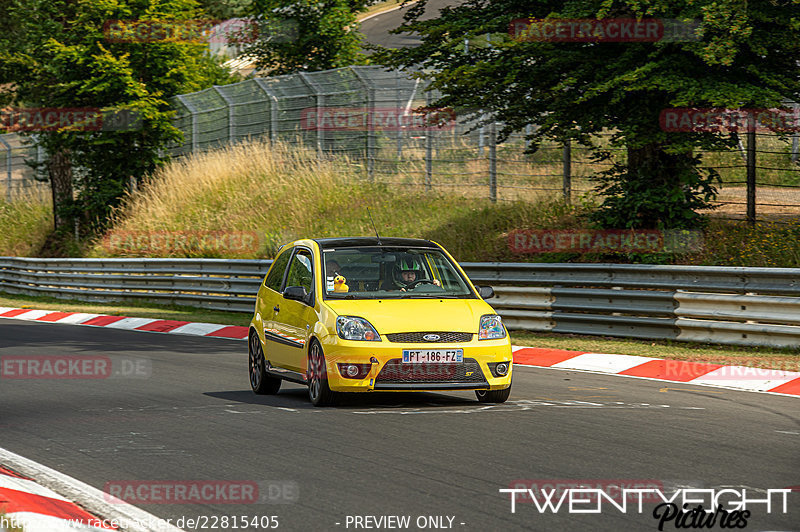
{"points": [[281, 194], [25, 223]]}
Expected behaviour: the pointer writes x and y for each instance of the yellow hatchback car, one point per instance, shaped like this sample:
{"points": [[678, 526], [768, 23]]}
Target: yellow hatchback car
{"points": [[370, 314]]}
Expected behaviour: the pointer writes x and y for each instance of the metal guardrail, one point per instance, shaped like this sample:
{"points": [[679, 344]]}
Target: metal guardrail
{"points": [[216, 284], [744, 306]]}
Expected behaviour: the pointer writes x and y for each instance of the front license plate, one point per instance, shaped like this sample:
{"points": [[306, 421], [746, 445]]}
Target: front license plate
{"points": [[440, 356]]}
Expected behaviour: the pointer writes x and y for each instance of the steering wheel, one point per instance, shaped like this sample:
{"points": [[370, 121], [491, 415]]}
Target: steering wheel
{"points": [[412, 285]]}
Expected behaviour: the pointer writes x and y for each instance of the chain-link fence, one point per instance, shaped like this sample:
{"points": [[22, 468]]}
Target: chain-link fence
{"points": [[367, 114], [17, 176]]}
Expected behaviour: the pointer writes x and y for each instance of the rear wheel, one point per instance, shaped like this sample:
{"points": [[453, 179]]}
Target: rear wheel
{"points": [[493, 396], [261, 382], [318, 390]]}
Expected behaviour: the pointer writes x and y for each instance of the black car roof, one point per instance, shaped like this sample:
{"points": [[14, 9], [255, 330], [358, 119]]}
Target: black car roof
{"points": [[361, 241]]}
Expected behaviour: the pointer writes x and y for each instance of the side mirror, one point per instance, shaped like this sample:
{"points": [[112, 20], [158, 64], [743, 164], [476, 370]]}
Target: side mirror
{"points": [[486, 292], [297, 293]]}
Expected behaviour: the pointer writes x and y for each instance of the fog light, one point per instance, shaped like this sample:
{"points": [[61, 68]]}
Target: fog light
{"points": [[501, 369], [354, 371]]}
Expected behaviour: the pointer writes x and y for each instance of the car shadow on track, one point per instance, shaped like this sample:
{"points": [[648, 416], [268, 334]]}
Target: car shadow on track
{"points": [[297, 398]]}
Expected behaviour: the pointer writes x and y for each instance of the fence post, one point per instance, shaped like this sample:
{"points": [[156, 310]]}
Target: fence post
{"points": [[751, 173], [273, 108], [195, 126], [528, 129], [567, 184], [428, 148], [370, 123], [317, 96], [493, 161], [8, 167], [401, 131], [796, 137], [231, 105]]}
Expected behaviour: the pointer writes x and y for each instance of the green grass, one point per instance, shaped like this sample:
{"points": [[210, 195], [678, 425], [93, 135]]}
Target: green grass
{"points": [[766, 244], [788, 359]]}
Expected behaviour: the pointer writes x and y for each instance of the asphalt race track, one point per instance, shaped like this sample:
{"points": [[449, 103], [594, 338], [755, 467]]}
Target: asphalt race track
{"points": [[189, 414], [376, 29]]}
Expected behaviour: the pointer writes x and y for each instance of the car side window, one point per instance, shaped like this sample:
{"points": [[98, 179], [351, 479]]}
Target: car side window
{"points": [[275, 275], [301, 270]]}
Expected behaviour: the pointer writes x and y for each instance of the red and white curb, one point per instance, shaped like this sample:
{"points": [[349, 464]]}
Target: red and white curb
{"points": [[30, 505], [33, 507], [701, 373], [133, 324], [705, 374]]}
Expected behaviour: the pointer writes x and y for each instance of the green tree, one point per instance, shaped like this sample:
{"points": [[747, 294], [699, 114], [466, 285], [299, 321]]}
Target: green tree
{"points": [[297, 35], [746, 56], [62, 55], [226, 9]]}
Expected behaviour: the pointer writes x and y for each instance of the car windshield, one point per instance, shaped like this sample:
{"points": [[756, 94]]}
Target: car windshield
{"points": [[391, 273]]}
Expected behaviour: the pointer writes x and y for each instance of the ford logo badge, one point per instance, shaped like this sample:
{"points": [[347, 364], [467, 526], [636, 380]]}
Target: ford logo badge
{"points": [[431, 337]]}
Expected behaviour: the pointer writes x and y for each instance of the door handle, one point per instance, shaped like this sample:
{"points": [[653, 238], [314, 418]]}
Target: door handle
{"points": [[276, 308]]}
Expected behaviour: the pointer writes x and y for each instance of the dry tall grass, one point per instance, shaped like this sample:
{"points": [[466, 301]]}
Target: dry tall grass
{"points": [[282, 193], [25, 222]]}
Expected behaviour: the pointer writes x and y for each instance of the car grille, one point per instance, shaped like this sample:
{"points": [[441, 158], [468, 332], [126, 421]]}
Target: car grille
{"points": [[416, 337], [396, 372]]}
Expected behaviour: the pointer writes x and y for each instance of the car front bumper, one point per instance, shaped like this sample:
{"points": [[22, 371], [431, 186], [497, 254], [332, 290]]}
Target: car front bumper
{"points": [[388, 373]]}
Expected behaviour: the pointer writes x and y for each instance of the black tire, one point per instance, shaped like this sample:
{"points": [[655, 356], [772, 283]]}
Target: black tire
{"points": [[493, 396], [319, 392], [261, 382]]}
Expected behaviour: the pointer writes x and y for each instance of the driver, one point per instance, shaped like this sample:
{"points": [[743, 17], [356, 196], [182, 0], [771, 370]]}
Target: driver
{"points": [[406, 272]]}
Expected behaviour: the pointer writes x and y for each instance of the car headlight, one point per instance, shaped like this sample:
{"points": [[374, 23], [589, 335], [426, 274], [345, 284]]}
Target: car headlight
{"points": [[491, 328], [355, 328]]}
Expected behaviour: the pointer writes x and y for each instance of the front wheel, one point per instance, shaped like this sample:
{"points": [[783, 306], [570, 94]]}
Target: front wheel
{"points": [[493, 396], [318, 390], [261, 382]]}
